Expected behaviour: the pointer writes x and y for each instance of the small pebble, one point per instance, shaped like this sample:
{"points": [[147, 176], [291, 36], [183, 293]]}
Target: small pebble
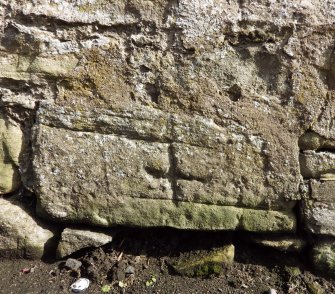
{"points": [[272, 291], [120, 275], [73, 264], [130, 270]]}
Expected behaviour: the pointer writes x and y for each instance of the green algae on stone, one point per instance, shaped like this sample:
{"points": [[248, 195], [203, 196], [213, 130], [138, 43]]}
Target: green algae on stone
{"points": [[315, 288], [323, 258], [142, 212], [204, 263]]}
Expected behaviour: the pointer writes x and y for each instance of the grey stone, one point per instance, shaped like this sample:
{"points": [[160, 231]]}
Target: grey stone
{"points": [[319, 210], [317, 164], [314, 141], [73, 264], [130, 170], [130, 270], [74, 239], [323, 191], [319, 218], [21, 235]]}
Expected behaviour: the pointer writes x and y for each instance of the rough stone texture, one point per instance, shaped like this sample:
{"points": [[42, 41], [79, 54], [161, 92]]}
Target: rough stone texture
{"points": [[314, 141], [21, 235], [11, 141], [319, 211], [282, 243], [323, 257], [135, 175], [172, 113], [74, 239], [317, 164]]}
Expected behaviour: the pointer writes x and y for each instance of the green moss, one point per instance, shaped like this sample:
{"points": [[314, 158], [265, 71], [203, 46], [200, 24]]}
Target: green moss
{"points": [[323, 257], [204, 264]]}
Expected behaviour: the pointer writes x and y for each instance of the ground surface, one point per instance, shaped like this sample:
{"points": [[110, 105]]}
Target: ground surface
{"points": [[149, 253]]}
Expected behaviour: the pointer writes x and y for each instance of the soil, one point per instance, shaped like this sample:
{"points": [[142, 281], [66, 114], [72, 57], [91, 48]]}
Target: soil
{"points": [[139, 261]]}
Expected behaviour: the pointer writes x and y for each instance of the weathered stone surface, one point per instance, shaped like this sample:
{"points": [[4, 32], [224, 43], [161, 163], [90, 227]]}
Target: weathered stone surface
{"points": [[323, 257], [21, 235], [127, 167], [317, 164], [319, 210], [101, 12], [323, 191], [281, 243], [74, 239], [11, 142], [232, 177], [189, 110], [325, 124], [73, 264], [314, 141], [319, 218]]}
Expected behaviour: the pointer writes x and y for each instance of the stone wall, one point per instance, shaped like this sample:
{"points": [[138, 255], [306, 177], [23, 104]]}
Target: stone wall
{"points": [[206, 115]]}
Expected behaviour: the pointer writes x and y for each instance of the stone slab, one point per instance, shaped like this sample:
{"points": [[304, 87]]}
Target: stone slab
{"points": [[103, 170], [74, 239]]}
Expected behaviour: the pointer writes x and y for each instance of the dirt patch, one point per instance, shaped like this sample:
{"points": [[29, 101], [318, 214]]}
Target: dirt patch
{"points": [[137, 261]]}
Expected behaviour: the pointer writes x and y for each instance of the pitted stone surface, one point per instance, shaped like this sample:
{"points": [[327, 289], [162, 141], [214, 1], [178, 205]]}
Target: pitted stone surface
{"points": [[317, 164], [319, 210], [171, 113], [111, 171]]}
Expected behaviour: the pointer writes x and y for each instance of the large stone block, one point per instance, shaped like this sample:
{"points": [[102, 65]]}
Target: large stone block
{"points": [[125, 168]]}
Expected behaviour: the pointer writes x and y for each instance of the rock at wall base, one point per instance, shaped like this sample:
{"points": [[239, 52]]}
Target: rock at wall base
{"points": [[21, 235], [204, 264], [281, 243], [323, 258], [73, 239]]}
